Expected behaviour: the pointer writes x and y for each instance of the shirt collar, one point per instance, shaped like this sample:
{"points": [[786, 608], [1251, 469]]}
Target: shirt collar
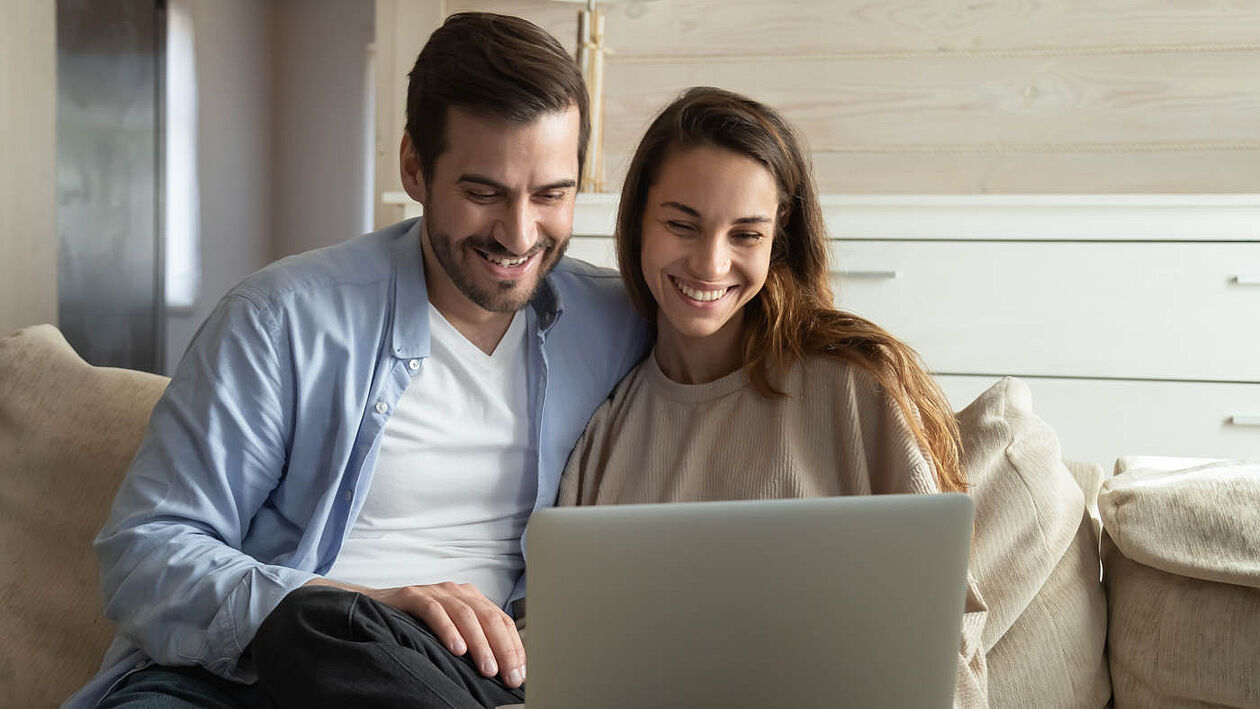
{"points": [[547, 305], [411, 299]]}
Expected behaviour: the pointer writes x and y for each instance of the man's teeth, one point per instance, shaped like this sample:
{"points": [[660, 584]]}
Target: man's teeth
{"points": [[703, 296], [506, 262]]}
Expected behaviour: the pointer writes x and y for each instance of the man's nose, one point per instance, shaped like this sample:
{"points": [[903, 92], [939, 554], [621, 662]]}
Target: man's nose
{"points": [[517, 230]]}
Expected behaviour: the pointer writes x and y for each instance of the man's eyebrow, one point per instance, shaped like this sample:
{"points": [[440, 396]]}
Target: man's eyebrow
{"points": [[558, 185], [483, 180], [758, 219]]}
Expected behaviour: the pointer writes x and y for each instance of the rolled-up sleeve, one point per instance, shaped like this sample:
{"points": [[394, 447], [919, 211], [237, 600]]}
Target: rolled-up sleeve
{"points": [[173, 577]]}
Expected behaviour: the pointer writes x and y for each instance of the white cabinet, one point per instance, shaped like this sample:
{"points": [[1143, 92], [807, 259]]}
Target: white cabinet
{"points": [[1128, 310], [1135, 320], [1101, 419]]}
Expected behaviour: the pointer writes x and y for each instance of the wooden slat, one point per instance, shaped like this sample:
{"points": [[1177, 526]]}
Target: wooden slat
{"points": [[742, 27], [1228, 172], [1073, 100], [1097, 173]]}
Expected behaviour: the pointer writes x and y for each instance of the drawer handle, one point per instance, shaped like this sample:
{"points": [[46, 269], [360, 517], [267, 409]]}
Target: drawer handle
{"points": [[1246, 279], [1245, 419], [868, 275]]}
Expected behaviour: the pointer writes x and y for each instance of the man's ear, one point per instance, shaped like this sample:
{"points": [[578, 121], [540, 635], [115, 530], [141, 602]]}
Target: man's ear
{"points": [[409, 170]]}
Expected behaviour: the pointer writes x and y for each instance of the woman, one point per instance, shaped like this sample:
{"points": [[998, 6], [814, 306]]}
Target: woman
{"points": [[756, 387]]}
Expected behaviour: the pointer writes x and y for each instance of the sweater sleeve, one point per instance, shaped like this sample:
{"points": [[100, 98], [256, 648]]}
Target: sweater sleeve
{"points": [[906, 468], [570, 480], [972, 686], [581, 477]]}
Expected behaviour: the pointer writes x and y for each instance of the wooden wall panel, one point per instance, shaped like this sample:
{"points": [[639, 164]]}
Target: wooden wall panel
{"points": [[927, 172], [740, 27], [1059, 100], [1053, 173], [946, 96]]}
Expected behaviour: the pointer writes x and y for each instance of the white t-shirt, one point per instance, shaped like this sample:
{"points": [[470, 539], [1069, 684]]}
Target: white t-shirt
{"points": [[449, 498]]}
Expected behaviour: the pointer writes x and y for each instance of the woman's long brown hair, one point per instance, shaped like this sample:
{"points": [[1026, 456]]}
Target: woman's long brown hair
{"points": [[793, 316]]}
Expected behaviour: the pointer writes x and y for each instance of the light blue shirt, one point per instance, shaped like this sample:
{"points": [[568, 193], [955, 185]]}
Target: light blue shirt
{"points": [[260, 454]]}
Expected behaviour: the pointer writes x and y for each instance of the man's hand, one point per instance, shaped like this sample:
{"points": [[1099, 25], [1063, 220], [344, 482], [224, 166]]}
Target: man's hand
{"points": [[463, 619]]}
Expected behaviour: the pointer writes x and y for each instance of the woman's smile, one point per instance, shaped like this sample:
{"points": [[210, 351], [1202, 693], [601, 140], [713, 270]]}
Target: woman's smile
{"points": [[700, 295]]}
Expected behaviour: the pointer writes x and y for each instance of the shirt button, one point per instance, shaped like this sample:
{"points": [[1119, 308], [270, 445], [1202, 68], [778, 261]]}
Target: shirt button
{"points": [[381, 407], [414, 364], [349, 496]]}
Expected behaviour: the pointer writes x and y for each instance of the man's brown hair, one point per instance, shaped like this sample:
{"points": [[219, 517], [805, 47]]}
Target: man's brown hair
{"points": [[492, 65]]}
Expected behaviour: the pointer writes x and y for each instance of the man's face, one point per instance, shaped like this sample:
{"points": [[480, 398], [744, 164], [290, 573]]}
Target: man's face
{"points": [[498, 210]]}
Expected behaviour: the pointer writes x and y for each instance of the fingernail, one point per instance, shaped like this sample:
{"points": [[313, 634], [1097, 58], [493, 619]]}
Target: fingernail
{"points": [[515, 677], [489, 669], [458, 648]]}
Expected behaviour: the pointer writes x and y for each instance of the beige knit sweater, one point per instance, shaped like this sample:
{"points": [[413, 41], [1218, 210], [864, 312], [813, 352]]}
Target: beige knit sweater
{"points": [[656, 440]]}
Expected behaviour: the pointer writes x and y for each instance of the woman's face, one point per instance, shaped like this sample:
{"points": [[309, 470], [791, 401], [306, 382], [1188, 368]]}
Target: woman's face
{"points": [[707, 230]]}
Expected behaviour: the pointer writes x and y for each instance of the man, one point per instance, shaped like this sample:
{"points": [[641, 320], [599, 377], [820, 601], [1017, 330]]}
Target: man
{"points": [[360, 433]]}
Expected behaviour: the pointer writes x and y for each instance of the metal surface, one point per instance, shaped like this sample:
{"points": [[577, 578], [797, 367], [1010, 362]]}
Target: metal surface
{"points": [[826, 602], [109, 138]]}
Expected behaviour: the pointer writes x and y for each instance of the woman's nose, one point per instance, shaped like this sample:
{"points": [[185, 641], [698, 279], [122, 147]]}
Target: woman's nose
{"points": [[710, 258]]}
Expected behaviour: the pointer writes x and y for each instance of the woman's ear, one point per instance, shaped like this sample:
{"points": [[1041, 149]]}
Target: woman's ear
{"points": [[409, 170]]}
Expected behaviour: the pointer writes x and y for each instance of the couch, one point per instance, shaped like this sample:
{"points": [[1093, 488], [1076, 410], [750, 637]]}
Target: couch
{"points": [[1140, 589]]}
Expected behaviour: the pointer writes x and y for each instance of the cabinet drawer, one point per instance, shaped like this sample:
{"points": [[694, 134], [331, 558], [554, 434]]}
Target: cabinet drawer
{"points": [[1099, 421], [1177, 311]]}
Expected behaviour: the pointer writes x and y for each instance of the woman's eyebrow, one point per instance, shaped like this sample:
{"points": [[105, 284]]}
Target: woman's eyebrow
{"points": [[756, 219], [681, 207]]}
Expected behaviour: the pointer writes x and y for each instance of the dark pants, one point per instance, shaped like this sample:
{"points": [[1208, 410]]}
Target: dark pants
{"points": [[160, 687], [324, 646]]}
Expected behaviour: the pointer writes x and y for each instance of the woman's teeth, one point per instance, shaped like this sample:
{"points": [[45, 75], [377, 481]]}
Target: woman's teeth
{"points": [[505, 262], [704, 296]]}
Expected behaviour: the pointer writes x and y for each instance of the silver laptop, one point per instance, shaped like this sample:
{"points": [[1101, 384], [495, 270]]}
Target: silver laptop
{"points": [[825, 602]]}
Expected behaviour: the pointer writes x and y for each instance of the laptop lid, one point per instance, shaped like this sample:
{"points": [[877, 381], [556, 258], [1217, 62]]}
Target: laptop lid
{"points": [[822, 602]]}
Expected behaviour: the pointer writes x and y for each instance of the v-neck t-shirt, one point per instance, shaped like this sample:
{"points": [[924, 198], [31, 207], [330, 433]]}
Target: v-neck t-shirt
{"points": [[450, 497]]}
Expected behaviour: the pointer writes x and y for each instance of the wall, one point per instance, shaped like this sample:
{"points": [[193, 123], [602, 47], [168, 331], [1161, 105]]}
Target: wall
{"points": [[234, 145], [318, 122], [28, 236], [402, 28], [281, 132], [923, 96]]}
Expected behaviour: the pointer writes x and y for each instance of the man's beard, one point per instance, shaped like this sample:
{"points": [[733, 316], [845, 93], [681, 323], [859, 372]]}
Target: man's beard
{"points": [[504, 297]]}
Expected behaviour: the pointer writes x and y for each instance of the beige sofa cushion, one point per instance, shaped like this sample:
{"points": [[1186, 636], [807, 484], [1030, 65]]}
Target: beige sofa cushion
{"points": [[1202, 521], [67, 432], [1035, 558], [1181, 550]]}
